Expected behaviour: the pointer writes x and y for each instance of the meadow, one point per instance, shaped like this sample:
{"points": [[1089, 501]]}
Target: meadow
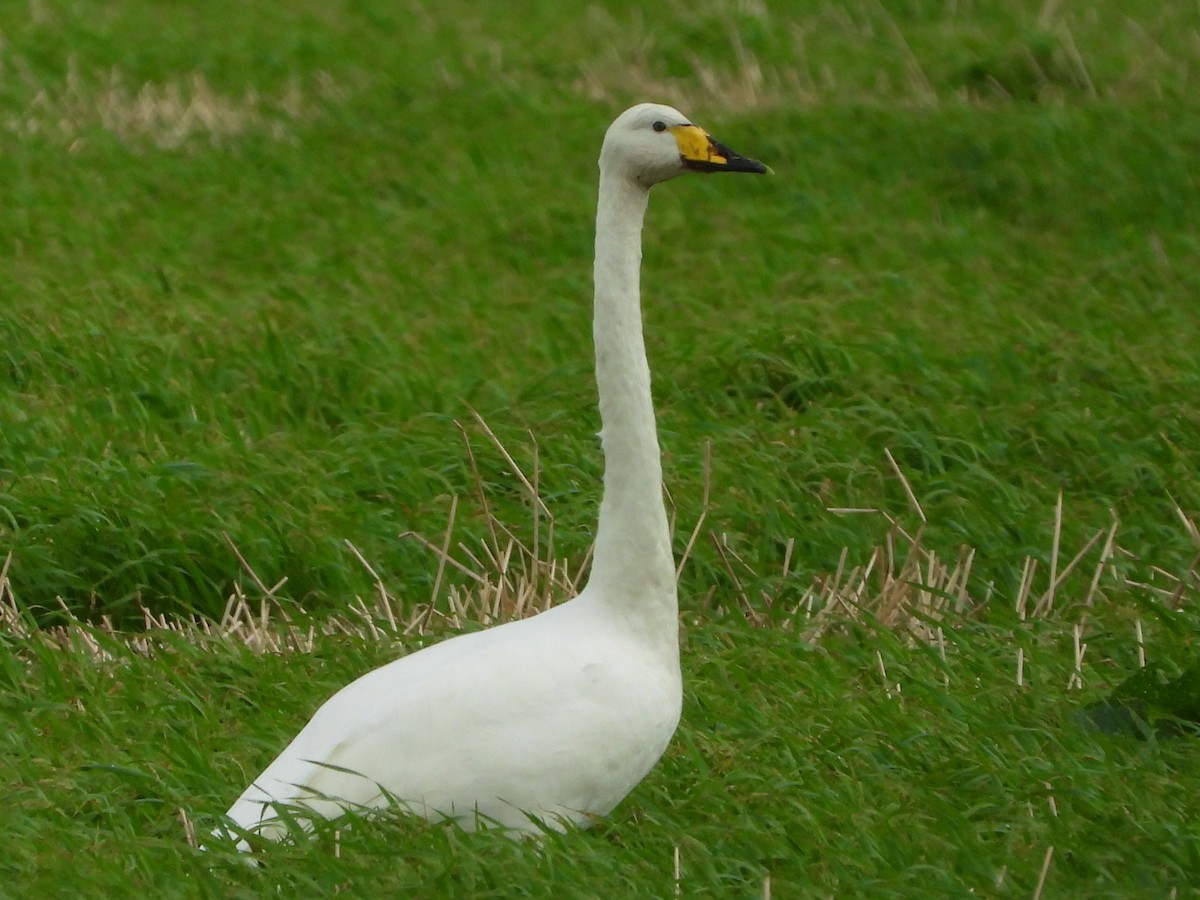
{"points": [[296, 375]]}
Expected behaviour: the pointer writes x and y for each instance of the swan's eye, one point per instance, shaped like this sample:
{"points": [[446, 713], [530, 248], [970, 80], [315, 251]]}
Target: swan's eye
{"points": [[660, 126]]}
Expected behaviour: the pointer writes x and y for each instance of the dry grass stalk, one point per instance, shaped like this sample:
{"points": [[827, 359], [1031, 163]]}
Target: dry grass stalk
{"points": [[189, 830], [11, 620], [1105, 555], [1041, 882], [1075, 682], [1047, 601], [887, 685], [704, 507]]}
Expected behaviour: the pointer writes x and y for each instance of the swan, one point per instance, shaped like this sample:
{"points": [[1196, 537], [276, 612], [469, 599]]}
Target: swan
{"points": [[546, 722]]}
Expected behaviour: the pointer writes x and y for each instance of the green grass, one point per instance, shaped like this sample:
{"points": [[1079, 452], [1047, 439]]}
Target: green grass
{"points": [[260, 259]]}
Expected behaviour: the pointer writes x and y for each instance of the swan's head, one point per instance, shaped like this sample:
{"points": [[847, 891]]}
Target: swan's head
{"points": [[652, 143]]}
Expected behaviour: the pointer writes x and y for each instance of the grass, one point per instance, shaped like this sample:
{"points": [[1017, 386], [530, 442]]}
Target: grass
{"points": [[259, 263]]}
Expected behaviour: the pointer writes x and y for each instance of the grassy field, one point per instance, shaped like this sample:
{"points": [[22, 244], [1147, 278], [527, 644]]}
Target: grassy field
{"points": [[262, 261]]}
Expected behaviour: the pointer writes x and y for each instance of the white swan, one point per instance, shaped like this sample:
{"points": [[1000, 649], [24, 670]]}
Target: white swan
{"points": [[551, 720]]}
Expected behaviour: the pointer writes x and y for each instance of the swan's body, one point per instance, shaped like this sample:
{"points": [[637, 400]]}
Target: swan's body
{"points": [[554, 719]]}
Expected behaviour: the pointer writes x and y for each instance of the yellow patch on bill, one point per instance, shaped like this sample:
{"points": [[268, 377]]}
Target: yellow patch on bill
{"points": [[695, 144]]}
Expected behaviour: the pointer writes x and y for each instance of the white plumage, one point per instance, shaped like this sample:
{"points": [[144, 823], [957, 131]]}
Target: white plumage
{"points": [[551, 720]]}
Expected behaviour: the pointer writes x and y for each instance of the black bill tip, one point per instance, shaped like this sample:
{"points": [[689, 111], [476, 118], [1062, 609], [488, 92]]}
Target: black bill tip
{"points": [[732, 162]]}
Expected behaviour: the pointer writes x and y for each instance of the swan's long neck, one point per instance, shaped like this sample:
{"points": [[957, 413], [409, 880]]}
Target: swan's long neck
{"points": [[632, 567]]}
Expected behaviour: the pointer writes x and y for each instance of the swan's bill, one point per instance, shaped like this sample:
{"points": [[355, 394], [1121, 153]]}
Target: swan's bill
{"points": [[700, 152]]}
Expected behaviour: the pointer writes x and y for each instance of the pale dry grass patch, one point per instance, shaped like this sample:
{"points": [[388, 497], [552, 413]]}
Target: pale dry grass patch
{"points": [[164, 115], [1052, 62], [633, 66], [621, 74], [745, 86]]}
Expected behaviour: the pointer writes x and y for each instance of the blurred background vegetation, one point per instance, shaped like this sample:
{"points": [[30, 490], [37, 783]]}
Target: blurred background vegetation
{"points": [[259, 259]]}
